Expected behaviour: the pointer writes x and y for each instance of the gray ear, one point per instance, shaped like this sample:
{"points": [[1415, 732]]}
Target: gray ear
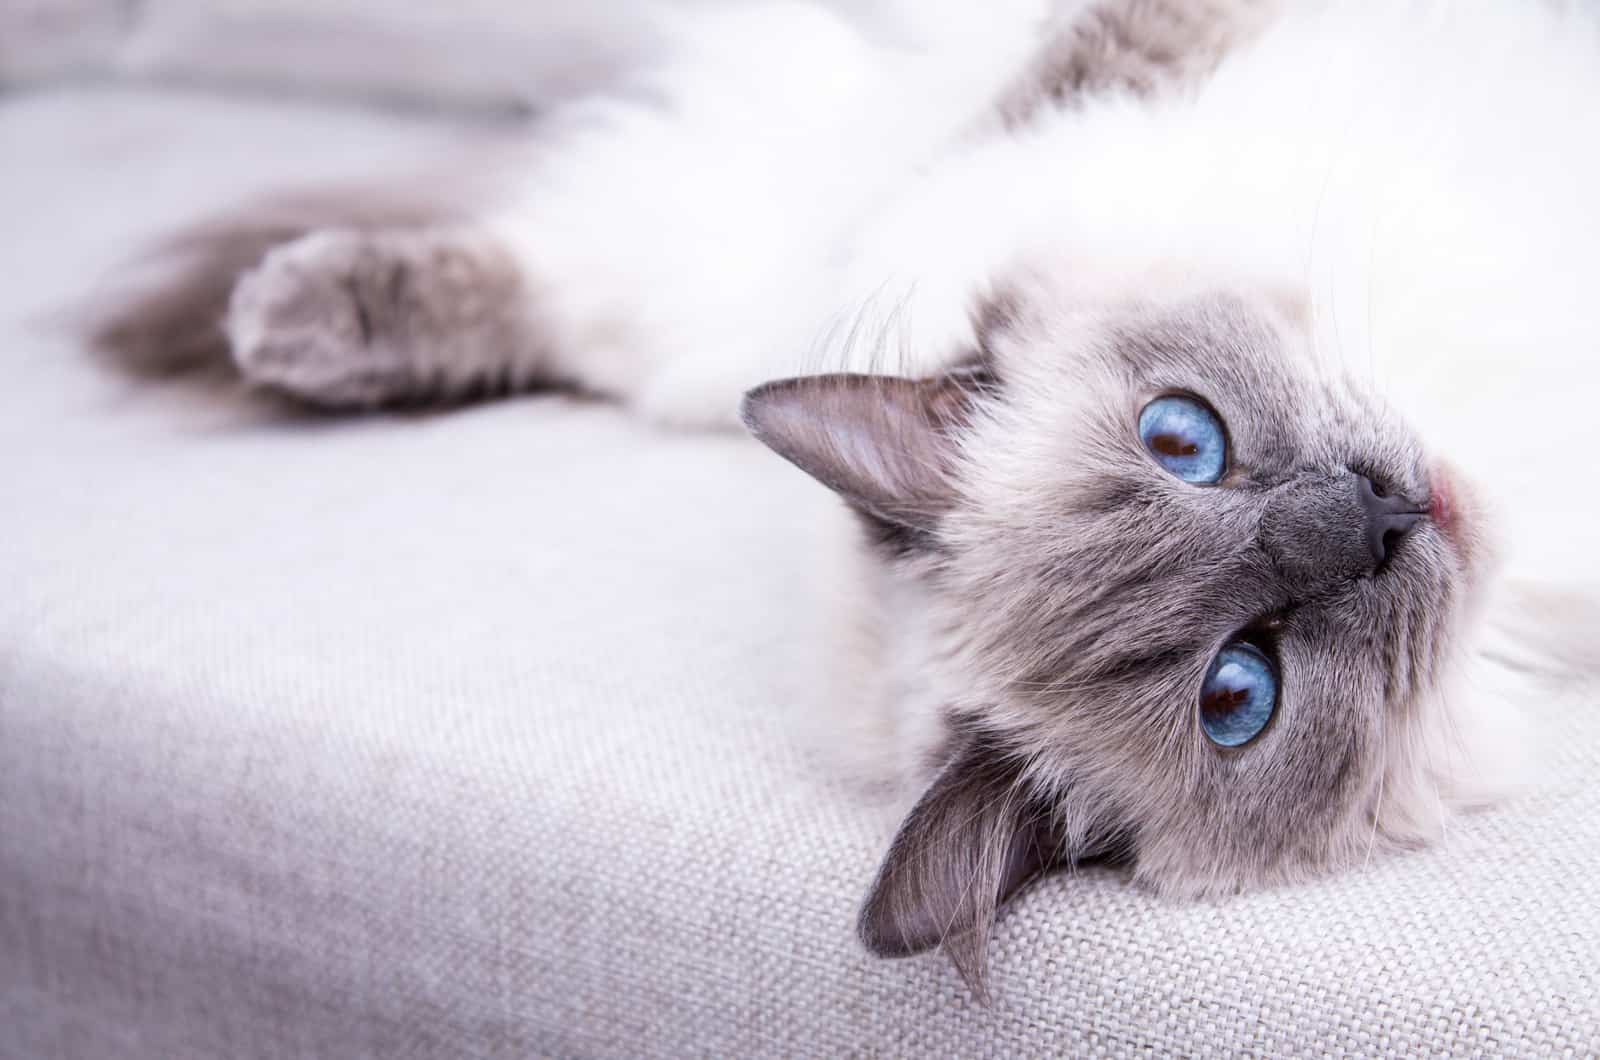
{"points": [[883, 443], [970, 843]]}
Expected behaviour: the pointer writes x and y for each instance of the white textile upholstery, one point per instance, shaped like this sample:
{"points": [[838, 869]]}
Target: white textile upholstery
{"points": [[479, 733]]}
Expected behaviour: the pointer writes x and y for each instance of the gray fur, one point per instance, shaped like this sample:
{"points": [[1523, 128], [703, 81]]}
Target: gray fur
{"points": [[360, 319], [1139, 47], [1079, 593], [345, 298], [974, 839], [170, 318]]}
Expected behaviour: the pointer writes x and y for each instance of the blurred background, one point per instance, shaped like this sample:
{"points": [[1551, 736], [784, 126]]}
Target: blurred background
{"points": [[480, 54], [490, 55]]}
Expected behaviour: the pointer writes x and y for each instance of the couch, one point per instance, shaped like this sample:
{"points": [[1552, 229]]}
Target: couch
{"points": [[487, 732]]}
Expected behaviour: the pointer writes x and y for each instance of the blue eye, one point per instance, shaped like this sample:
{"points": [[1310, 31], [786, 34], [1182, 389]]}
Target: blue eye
{"points": [[1239, 695], [1185, 437]]}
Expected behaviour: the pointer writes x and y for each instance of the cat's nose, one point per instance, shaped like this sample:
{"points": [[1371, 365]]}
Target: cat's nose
{"points": [[1389, 516], [1323, 529]]}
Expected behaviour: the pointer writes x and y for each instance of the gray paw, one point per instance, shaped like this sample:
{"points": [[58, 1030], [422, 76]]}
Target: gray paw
{"points": [[321, 318]]}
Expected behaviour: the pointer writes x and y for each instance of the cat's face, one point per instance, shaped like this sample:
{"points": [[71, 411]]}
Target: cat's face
{"points": [[1199, 596]]}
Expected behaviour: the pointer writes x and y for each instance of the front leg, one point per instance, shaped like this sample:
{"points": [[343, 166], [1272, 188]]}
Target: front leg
{"points": [[346, 318]]}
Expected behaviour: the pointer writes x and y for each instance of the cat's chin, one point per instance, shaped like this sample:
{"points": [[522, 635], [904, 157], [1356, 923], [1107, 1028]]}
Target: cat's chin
{"points": [[1442, 502], [1457, 510]]}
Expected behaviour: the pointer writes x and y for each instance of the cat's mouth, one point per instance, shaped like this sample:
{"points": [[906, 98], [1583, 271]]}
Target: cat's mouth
{"points": [[1442, 505], [1454, 510]]}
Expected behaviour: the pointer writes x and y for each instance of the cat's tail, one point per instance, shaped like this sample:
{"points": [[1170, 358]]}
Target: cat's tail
{"points": [[163, 313]]}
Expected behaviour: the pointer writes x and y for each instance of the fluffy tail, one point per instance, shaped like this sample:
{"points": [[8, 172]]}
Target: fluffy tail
{"points": [[165, 314]]}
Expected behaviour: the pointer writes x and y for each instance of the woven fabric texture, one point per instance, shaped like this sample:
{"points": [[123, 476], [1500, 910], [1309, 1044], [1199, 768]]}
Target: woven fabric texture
{"points": [[483, 734]]}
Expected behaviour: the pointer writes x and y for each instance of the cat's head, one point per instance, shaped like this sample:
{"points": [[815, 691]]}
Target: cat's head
{"points": [[1195, 599]]}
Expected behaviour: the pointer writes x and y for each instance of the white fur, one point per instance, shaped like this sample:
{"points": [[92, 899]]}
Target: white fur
{"points": [[785, 193], [1424, 173], [704, 226]]}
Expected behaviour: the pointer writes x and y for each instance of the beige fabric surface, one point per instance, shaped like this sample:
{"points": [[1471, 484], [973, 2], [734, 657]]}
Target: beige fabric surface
{"points": [[481, 734]]}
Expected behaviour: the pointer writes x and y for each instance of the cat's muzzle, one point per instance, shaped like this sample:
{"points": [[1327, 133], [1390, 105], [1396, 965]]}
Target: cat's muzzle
{"points": [[1326, 529]]}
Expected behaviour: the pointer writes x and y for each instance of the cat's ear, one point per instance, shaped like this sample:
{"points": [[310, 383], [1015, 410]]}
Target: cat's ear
{"points": [[884, 443], [972, 841]]}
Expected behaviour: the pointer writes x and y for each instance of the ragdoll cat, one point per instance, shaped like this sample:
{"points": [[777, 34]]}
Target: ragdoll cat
{"points": [[1094, 314]]}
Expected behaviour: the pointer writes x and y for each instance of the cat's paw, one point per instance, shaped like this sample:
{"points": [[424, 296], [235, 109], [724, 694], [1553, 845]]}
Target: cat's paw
{"points": [[316, 319]]}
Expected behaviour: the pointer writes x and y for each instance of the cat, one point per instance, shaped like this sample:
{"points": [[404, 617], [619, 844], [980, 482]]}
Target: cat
{"points": [[1101, 317]]}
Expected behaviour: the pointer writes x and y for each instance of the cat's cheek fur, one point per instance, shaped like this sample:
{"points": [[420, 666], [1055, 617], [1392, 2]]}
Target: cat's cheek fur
{"points": [[1476, 738], [881, 715]]}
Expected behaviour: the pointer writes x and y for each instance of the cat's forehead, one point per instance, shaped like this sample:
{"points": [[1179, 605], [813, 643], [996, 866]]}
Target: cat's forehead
{"points": [[1224, 340], [1245, 352]]}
